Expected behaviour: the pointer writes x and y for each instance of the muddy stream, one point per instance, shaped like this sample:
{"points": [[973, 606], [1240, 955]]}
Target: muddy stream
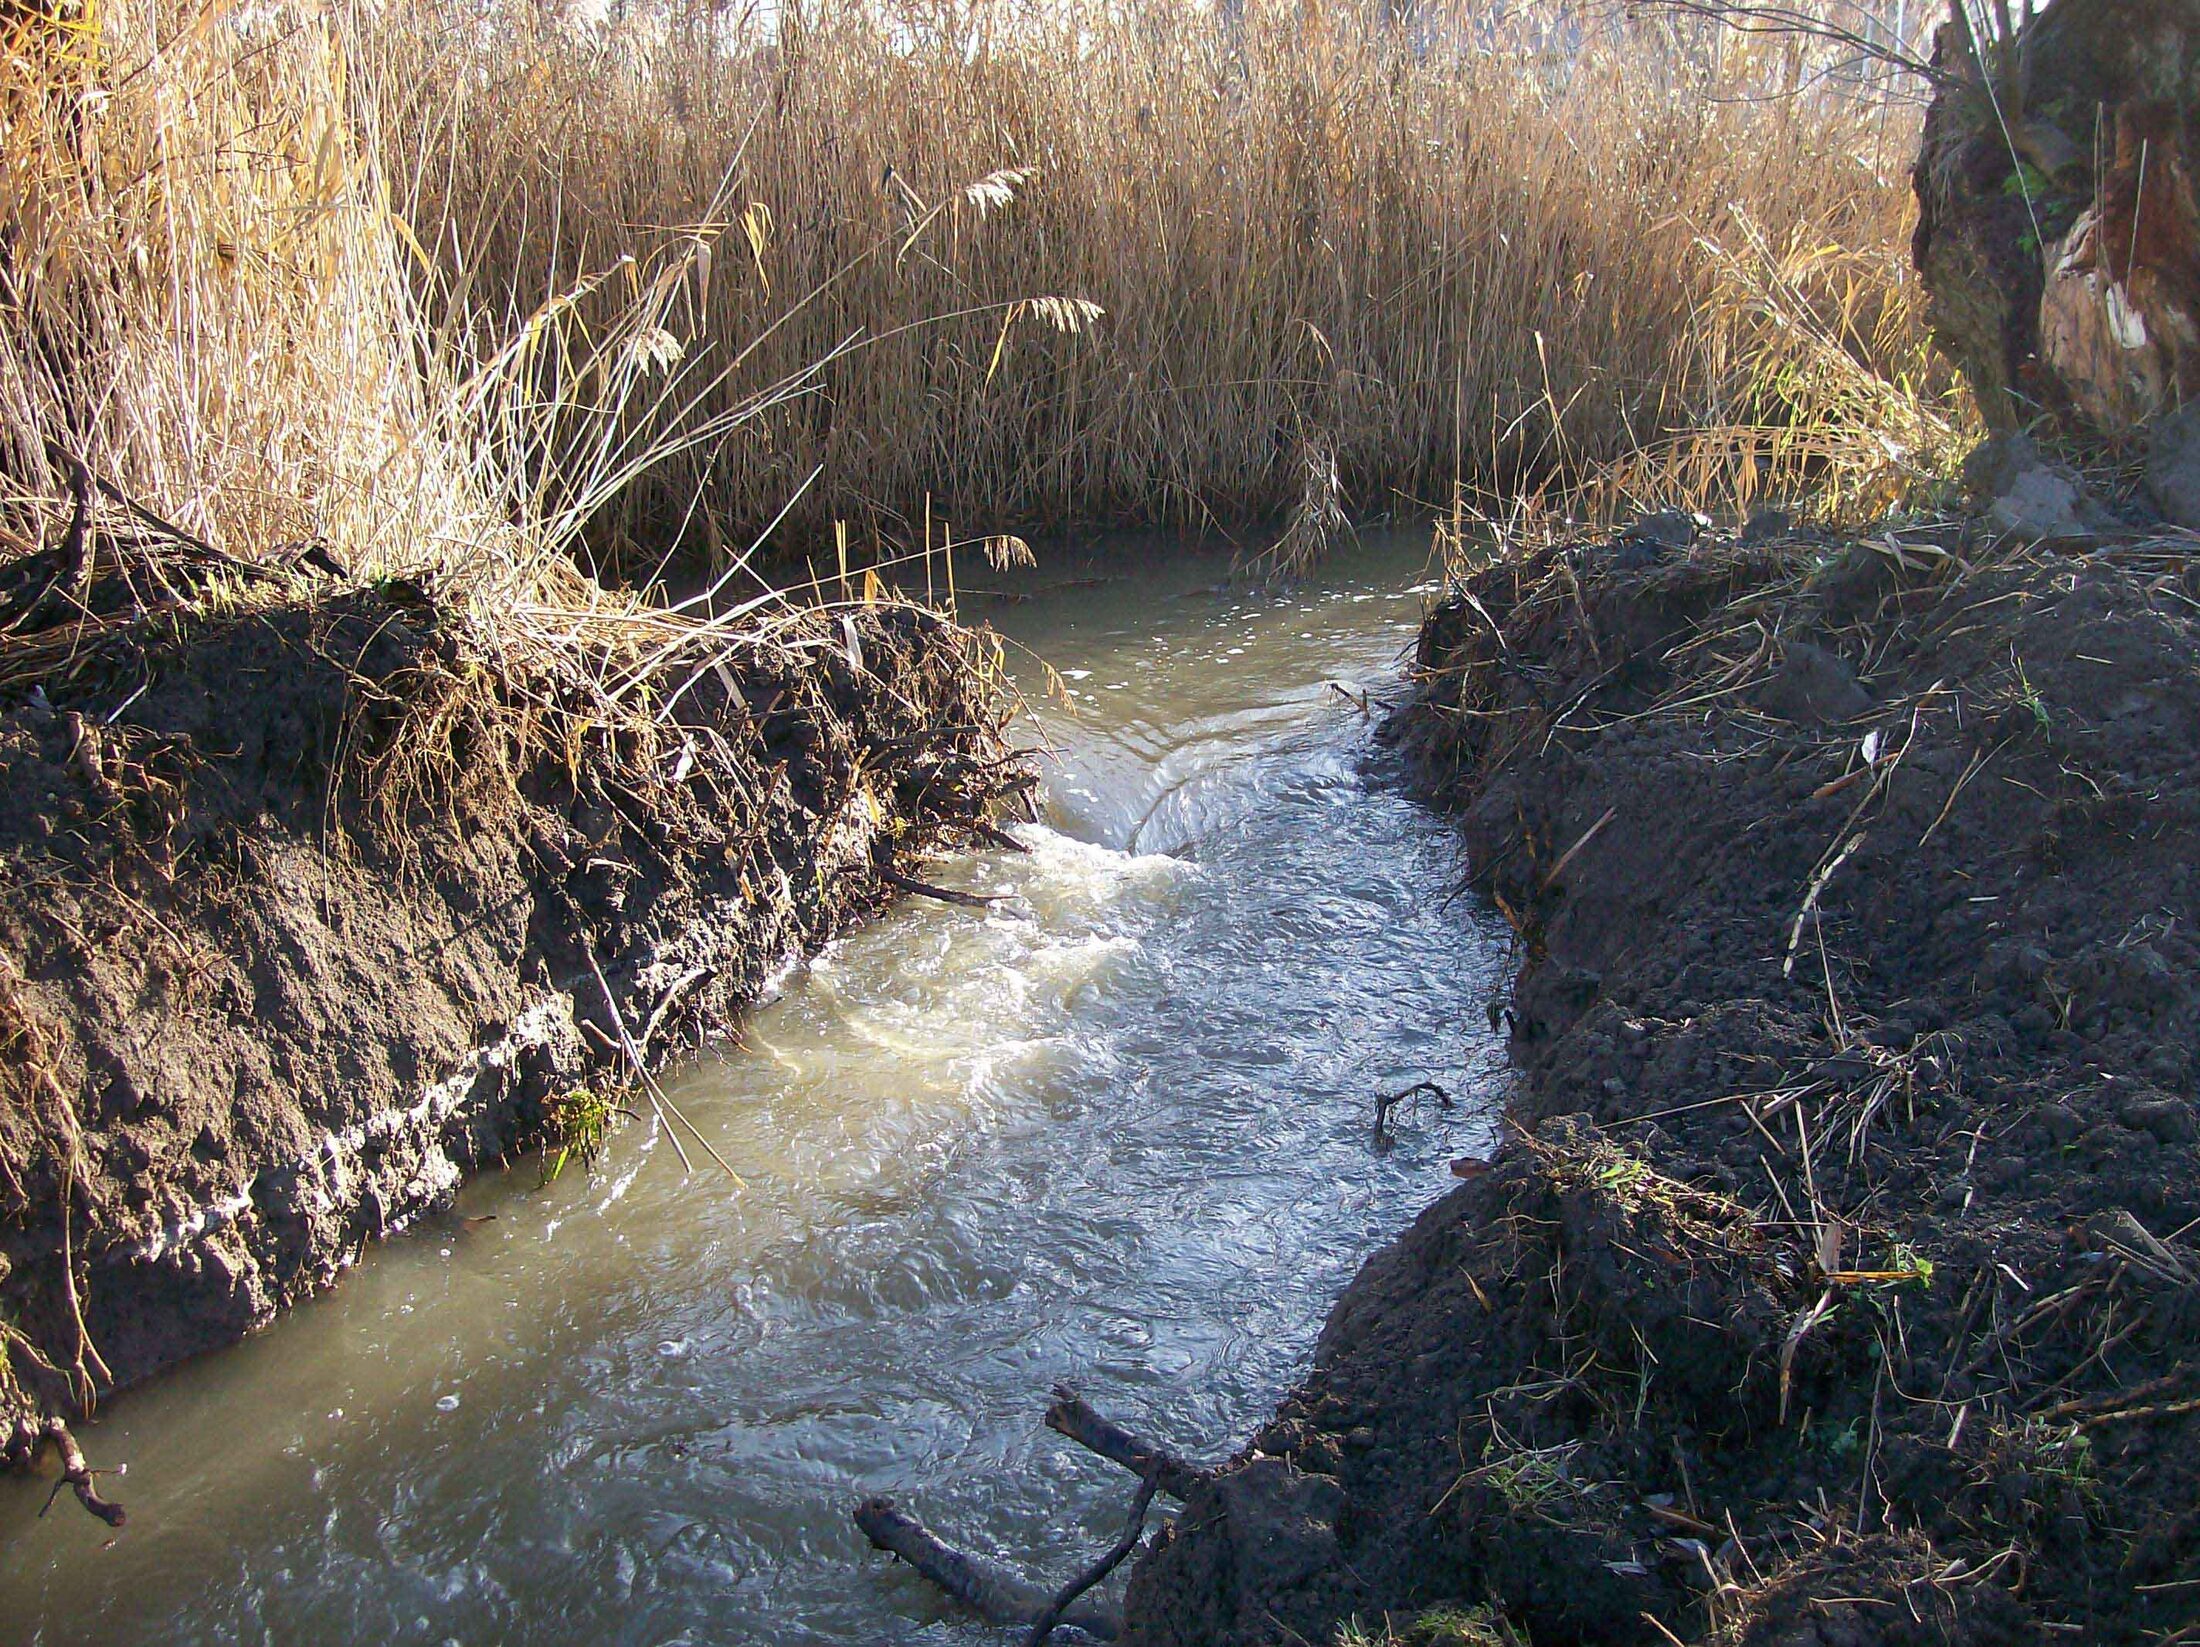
{"points": [[1116, 1129]]}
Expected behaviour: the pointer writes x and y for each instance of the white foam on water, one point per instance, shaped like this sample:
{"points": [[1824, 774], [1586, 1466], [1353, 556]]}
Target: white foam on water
{"points": [[1112, 1128]]}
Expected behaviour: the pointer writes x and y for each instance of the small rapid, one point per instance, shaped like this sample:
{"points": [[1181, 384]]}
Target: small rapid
{"points": [[1115, 1128]]}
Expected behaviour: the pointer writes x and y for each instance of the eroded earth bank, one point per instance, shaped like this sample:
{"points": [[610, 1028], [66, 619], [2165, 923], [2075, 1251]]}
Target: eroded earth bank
{"points": [[312, 903], [1833, 1284]]}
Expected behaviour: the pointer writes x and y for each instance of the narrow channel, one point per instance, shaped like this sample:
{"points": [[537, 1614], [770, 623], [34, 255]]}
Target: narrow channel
{"points": [[1116, 1129]]}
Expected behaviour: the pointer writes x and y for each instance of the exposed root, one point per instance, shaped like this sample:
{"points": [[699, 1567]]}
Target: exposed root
{"points": [[940, 894]]}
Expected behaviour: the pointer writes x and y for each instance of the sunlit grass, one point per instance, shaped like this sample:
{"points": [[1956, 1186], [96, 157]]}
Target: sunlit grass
{"points": [[435, 284]]}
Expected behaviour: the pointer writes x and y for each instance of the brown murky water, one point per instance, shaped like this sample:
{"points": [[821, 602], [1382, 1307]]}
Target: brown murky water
{"points": [[1115, 1130]]}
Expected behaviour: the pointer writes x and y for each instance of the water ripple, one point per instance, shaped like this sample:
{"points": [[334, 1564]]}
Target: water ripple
{"points": [[1115, 1128]]}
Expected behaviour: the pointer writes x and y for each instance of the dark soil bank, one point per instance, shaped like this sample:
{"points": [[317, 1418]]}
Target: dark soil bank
{"points": [[1834, 1283], [304, 901]]}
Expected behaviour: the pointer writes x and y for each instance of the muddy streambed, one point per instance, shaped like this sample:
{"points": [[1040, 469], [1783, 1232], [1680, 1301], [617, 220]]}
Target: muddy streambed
{"points": [[1115, 1129]]}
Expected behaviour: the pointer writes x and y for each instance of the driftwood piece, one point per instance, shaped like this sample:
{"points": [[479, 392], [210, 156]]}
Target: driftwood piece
{"points": [[946, 895], [997, 1596], [1058, 1610], [1390, 1101], [79, 1475], [1071, 1416], [998, 837]]}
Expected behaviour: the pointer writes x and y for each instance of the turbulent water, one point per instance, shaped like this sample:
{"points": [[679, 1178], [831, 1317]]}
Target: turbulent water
{"points": [[1116, 1129]]}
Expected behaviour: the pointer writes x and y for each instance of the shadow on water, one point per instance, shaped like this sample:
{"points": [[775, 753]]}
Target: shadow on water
{"points": [[1116, 1128]]}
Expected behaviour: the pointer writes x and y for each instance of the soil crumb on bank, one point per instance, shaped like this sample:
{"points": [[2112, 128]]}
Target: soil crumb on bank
{"points": [[1835, 1283], [316, 897]]}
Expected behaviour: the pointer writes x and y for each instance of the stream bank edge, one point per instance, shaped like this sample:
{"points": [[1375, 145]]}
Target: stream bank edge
{"points": [[1831, 1284], [352, 893]]}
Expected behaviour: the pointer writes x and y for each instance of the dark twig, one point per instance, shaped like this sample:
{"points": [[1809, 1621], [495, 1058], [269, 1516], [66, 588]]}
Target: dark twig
{"points": [[167, 528], [946, 895], [1384, 1105], [76, 548], [1141, 1501], [997, 837], [1747, 18]]}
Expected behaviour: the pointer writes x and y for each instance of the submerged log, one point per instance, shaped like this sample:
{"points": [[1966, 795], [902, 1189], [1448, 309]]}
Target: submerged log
{"points": [[998, 1597], [1071, 1416]]}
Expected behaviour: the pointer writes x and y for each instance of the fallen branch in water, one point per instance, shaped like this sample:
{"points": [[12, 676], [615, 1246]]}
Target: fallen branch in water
{"points": [[1141, 1502], [998, 837], [1069, 1415], [1390, 1101], [77, 1473], [998, 1597], [946, 895], [1002, 1598]]}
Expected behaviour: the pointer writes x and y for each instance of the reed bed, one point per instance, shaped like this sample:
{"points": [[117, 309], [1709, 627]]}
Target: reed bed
{"points": [[1127, 264], [205, 301], [233, 378], [439, 285]]}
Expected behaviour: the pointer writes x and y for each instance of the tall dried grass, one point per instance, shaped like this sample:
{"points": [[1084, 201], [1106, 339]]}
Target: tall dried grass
{"points": [[202, 290], [1825, 392], [1317, 245], [230, 368], [431, 280]]}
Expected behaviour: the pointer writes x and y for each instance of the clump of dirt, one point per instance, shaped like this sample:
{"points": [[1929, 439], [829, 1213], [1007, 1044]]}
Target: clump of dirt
{"points": [[1834, 1283], [315, 898]]}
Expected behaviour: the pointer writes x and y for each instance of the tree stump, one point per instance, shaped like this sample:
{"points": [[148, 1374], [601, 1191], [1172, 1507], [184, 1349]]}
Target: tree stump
{"points": [[2058, 229]]}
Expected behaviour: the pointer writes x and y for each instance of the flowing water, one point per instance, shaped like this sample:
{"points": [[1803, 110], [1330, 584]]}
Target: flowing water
{"points": [[1116, 1129]]}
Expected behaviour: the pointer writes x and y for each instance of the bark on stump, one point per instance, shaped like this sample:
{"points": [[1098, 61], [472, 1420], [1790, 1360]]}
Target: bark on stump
{"points": [[2058, 229]]}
